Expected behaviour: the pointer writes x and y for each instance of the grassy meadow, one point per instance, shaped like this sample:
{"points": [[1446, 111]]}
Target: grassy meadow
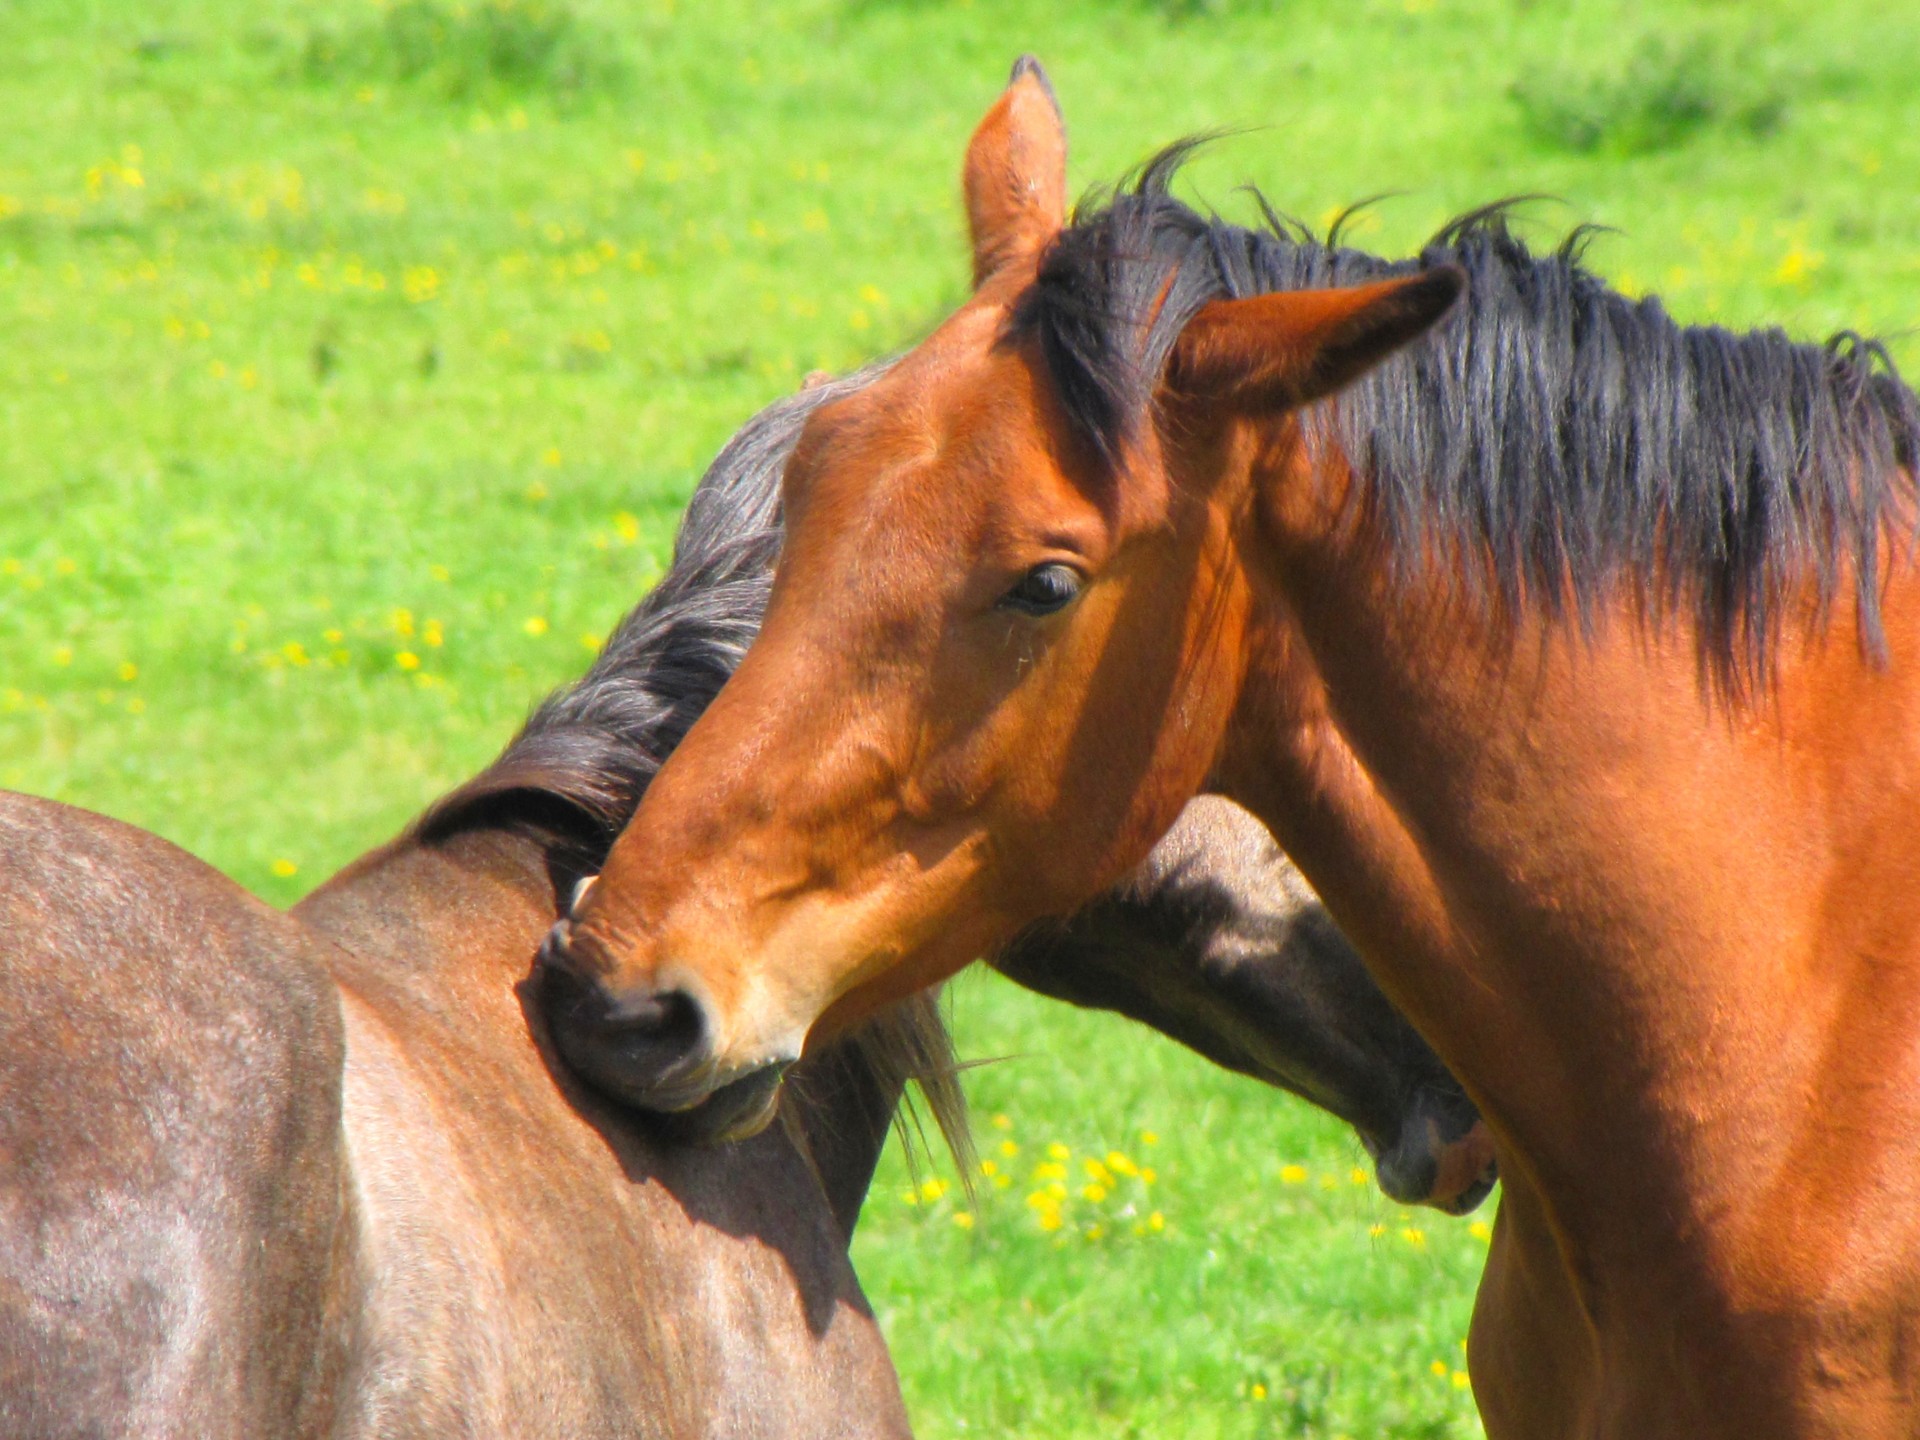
{"points": [[359, 356]]}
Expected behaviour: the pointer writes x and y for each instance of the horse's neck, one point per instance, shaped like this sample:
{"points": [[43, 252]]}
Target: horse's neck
{"points": [[473, 905], [437, 931], [1646, 929], [560, 1233]]}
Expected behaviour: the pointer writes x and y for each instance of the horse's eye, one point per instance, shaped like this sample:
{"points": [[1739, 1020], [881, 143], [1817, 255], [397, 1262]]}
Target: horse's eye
{"points": [[1043, 590]]}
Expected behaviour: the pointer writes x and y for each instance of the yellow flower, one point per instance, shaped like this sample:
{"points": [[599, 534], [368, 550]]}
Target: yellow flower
{"points": [[1156, 1222], [1416, 1238], [1357, 1176], [1258, 1392], [536, 625], [1293, 1174], [1460, 1380], [431, 633], [627, 527], [1003, 1122], [987, 1167], [933, 1189], [1057, 1151], [420, 283], [963, 1219], [407, 660], [1149, 1137], [1440, 1368], [1094, 1193], [1009, 1149], [401, 621], [1480, 1230], [129, 671], [1120, 1164], [284, 868]]}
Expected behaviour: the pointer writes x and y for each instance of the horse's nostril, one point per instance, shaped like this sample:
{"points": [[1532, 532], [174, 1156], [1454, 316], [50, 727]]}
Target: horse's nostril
{"points": [[669, 1021]]}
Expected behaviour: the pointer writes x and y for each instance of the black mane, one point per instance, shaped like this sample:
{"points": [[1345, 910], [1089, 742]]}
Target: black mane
{"points": [[1552, 437]]}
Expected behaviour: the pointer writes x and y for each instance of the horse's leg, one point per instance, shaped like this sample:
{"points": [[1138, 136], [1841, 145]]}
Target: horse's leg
{"points": [[173, 1260]]}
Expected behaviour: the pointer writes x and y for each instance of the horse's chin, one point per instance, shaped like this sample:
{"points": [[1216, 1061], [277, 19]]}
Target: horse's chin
{"points": [[738, 1110]]}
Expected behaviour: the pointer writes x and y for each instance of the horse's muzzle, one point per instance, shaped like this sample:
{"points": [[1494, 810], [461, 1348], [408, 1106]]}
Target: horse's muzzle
{"points": [[650, 1052], [1440, 1158]]}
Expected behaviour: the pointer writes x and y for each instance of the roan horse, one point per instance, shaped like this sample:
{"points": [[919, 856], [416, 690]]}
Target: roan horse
{"points": [[1571, 652], [318, 1174]]}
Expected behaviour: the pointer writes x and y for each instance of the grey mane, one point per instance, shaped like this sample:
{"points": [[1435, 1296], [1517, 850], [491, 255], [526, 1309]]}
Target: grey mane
{"points": [[589, 751], [1551, 439]]}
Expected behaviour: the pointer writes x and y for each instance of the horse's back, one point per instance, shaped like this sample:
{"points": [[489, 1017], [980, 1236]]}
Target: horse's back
{"points": [[171, 1190]]}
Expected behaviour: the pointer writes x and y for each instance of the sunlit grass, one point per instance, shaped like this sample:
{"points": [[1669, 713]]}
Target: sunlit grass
{"points": [[350, 393]]}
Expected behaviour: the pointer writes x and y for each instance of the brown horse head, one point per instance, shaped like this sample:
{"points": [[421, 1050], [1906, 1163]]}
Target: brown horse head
{"points": [[933, 741]]}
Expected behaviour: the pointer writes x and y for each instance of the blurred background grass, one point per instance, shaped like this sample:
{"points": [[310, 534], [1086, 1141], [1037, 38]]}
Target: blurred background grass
{"points": [[360, 356]]}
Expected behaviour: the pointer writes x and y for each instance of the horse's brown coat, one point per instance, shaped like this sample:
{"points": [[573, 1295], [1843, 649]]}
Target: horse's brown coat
{"points": [[204, 1232], [1667, 933]]}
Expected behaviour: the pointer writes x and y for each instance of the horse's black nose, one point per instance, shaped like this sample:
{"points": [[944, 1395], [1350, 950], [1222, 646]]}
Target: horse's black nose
{"points": [[645, 1050]]}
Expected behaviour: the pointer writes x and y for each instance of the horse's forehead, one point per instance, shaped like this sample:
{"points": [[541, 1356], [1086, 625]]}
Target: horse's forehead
{"points": [[946, 426]]}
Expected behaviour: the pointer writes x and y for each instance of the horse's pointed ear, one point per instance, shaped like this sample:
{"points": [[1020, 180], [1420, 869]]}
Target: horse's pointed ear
{"points": [[1016, 173], [1273, 352]]}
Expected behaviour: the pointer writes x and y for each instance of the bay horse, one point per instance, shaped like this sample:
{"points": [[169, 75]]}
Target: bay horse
{"points": [[1570, 651], [321, 1173]]}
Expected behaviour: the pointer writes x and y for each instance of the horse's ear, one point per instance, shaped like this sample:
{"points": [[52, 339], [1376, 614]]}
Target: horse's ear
{"points": [[1016, 173], [1273, 352]]}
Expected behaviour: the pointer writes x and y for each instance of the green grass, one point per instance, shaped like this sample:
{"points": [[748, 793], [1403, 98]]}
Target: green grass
{"points": [[358, 359]]}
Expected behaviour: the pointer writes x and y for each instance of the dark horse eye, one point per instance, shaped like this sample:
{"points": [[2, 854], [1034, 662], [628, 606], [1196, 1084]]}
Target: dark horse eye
{"points": [[1043, 590]]}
